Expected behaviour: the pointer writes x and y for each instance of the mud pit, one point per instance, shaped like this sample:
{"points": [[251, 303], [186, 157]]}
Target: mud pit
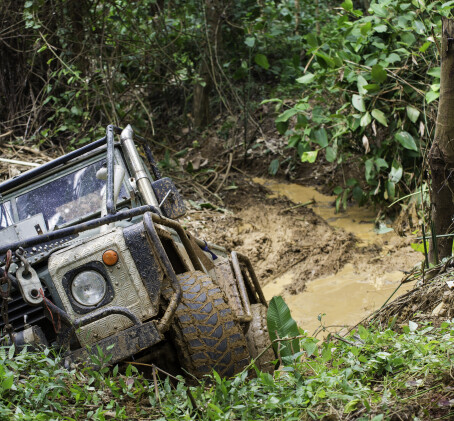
{"points": [[320, 262]]}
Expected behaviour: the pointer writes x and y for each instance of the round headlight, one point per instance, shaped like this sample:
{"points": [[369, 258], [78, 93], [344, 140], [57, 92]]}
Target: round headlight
{"points": [[88, 288]]}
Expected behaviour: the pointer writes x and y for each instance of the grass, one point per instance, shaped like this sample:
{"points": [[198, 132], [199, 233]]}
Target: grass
{"points": [[377, 375]]}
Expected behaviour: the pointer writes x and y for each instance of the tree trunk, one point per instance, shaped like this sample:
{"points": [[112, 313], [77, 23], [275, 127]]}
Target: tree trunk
{"points": [[213, 44], [441, 155], [77, 12], [365, 4], [297, 15]]}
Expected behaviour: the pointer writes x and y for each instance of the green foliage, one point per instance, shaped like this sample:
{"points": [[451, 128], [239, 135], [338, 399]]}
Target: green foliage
{"points": [[281, 325], [94, 64], [420, 246], [368, 83], [373, 374]]}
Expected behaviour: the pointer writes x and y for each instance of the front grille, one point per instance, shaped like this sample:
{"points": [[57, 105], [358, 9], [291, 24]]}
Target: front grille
{"points": [[18, 308]]}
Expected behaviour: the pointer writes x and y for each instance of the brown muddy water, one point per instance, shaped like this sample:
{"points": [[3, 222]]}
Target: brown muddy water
{"points": [[362, 285]]}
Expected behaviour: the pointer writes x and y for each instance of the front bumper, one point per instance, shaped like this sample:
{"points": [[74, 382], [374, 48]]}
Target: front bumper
{"points": [[125, 343]]}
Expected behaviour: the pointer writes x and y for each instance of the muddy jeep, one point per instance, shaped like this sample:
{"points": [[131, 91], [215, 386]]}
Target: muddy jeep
{"points": [[92, 255]]}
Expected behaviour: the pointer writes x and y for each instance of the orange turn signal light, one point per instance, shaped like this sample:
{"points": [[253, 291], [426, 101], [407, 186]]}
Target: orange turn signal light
{"points": [[110, 257]]}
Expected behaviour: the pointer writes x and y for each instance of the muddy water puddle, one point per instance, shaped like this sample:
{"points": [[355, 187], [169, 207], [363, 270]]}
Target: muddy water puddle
{"points": [[359, 221], [360, 286]]}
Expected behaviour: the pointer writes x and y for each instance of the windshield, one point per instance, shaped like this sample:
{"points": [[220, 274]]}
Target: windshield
{"points": [[67, 198]]}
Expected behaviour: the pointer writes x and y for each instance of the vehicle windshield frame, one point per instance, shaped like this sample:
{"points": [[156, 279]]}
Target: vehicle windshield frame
{"points": [[67, 169]]}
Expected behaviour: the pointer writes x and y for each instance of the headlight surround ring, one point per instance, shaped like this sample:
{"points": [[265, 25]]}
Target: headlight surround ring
{"points": [[88, 288], [70, 276]]}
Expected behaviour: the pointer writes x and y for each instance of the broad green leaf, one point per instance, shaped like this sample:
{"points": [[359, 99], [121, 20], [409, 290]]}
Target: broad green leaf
{"points": [[307, 78], [432, 96], [365, 119], [420, 246], [262, 61], [424, 47], [406, 140], [312, 40], [274, 167], [7, 382], [379, 10], [347, 5], [294, 140], [369, 169], [435, 72], [361, 83], [282, 127], [310, 156], [265, 101], [328, 60], [380, 117], [326, 353], [280, 324], [309, 347], [396, 172], [380, 163], [321, 137], [345, 198], [76, 110], [331, 154], [378, 73], [286, 115], [391, 189], [358, 103], [366, 28], [419, 27], [250, 41], [408, 38], [363, 332], [412, 113], [358, 194], [380, 28], [371, 87], [393, 58]]}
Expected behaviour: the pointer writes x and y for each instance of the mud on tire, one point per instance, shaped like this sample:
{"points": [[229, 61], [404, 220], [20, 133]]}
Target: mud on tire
{"points": [[205, 332], [258, 339]]}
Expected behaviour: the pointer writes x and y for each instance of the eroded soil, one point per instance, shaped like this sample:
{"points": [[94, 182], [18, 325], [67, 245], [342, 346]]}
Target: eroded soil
{"points": [[321, 262], [274, 238]]}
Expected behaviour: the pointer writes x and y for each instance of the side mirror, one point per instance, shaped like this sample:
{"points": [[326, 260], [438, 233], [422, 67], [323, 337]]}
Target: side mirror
{"points": [[170, 201]]}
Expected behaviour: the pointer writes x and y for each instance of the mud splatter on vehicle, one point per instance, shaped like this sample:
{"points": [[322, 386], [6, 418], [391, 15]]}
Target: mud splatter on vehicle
{"points": [[93, 256]]}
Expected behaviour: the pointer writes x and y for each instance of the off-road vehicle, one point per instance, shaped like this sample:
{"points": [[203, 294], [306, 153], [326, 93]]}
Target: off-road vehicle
{"points": [[92, 254]]}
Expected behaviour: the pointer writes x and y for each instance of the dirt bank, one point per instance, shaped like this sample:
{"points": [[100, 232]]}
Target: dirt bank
{"points": [[274, 237]]}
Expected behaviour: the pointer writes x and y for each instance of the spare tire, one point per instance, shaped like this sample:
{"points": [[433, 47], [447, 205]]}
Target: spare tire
{"points": [[205, 333]]}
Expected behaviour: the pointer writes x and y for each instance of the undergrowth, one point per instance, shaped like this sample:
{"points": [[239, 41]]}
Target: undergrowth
{"points": [[369, 375]]}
